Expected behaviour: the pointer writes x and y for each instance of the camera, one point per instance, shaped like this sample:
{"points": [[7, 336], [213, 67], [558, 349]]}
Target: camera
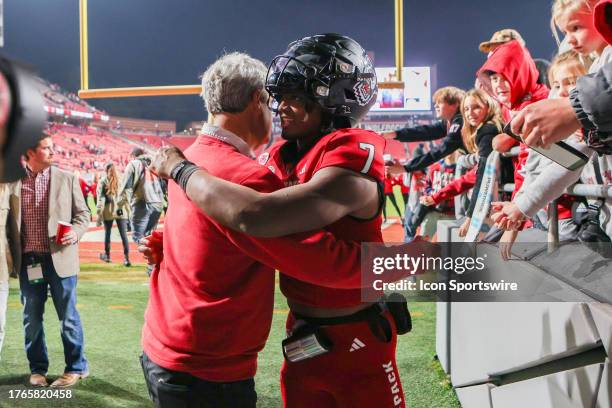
{"points": [[22, 116]]}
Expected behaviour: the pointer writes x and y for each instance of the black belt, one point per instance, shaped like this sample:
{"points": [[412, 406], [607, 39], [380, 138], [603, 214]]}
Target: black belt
{"points": [[360, 316]]}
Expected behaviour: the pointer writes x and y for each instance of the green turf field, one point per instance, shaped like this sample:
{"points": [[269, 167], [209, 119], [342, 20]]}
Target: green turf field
{"points": [[111, 301]]}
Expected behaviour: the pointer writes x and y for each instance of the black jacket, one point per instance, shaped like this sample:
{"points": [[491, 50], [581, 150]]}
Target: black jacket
{"points": [[484, 140], [592, 103], [451, 142]]}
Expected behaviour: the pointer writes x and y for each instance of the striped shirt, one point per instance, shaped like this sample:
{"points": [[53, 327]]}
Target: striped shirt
{"points": [[35, 211]]}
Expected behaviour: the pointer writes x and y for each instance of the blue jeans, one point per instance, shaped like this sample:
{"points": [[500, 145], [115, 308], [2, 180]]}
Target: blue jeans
{"points": [[63, 294], [144, 219]]}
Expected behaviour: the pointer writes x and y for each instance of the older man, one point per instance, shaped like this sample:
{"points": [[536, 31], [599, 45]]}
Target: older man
{"points": [[43, 198]]}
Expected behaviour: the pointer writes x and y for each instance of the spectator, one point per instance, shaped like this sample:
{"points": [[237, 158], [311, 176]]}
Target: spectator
{"points": [[145, 192], [499, 38], [428, 212], [589, 105], [481, 123], [45, 265], [510, 76], [390, 182], [112, 208], [447, 101]]}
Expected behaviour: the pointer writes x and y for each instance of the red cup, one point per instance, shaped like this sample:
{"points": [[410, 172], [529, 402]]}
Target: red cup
{"points": [[62, 229]]}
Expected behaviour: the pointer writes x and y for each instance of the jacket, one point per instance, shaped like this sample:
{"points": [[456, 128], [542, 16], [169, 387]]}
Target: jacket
{"points": [[108, 206], [450, 133], [140, 186], [66, 203], [592, 103]]}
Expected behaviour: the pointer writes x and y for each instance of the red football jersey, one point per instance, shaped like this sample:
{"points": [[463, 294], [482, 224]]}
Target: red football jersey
{"points": [[355, 149]]}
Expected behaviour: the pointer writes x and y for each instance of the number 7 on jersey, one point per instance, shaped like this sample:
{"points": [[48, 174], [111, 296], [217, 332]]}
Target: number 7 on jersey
{"points": [[370, 148]]}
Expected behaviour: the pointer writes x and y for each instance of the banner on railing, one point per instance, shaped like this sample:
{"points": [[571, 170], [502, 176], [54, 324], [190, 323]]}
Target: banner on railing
{"points": [[488, 189]]}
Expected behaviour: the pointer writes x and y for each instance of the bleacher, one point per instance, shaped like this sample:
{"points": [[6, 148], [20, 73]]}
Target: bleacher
{"points": [[87, 149]]}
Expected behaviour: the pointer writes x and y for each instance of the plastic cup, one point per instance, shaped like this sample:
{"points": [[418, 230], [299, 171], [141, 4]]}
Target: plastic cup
{"points": [[62, 229]]}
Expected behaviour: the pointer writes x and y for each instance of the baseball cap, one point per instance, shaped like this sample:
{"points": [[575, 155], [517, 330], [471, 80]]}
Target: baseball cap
{"points": [[501, 37]]}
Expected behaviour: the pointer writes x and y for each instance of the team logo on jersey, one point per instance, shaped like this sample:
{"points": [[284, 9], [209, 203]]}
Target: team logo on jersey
{"points": [[263, 158], [364, 90]]}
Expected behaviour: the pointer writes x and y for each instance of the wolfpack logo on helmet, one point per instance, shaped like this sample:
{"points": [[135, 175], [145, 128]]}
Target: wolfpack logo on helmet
{"points": [[363, 91]]}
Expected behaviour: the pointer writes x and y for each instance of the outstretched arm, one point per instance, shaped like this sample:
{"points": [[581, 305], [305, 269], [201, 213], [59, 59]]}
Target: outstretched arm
{"points": [[331, 194]]}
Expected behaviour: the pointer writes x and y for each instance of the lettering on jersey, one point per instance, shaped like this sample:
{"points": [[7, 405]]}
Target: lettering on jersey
{"points": [[263, 159], [454, 128], [272, 169], [392, 378]]}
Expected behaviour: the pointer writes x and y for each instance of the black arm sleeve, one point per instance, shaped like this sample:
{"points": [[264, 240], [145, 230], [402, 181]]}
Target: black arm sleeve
{"points": [[485, 139], [422, 133], [449, 144]]}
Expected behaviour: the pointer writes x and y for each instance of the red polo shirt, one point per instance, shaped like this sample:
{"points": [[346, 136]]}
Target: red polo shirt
{"points": [[210, 304]]}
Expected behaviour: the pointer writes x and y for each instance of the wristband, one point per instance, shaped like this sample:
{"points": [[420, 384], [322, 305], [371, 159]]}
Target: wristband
{"points": [[182, 172]]}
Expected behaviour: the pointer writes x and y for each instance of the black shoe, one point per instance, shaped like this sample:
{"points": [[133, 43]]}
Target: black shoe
{"points": [[127, 263], [105, 258]]}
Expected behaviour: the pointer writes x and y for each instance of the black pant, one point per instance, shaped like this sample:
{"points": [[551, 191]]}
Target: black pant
{"points": [[391, 197], [122, 225], [173, 389]]}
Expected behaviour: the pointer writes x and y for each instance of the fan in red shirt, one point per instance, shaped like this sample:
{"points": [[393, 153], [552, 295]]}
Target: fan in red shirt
{"points": [[321, 87]]}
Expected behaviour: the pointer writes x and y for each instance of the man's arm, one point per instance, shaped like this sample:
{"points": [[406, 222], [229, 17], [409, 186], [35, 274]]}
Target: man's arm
{"points": [[448, 146], [422, 133], [331, 194]]}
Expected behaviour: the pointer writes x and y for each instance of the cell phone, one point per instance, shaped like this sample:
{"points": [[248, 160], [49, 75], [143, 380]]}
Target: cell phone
{"points": [[559, 152]]}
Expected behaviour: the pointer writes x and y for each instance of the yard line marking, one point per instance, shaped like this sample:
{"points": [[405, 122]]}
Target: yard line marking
{"points": [[120, 307], [281, 311]]}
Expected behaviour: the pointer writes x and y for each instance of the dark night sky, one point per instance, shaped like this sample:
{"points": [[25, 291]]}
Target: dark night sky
{"points": [[163, 42]]}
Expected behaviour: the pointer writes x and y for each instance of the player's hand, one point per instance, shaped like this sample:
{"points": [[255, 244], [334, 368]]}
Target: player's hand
{"points": [[427, 200], [545, 122], [396, 169], [505, 244], [389, 135], [166, 159], [69, 238], [506, 215], [463, 230], [152, 248]]}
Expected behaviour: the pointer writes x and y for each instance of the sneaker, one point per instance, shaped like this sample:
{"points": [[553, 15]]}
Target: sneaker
{"points": [[105, 258], [68, 380], [127, 263]]}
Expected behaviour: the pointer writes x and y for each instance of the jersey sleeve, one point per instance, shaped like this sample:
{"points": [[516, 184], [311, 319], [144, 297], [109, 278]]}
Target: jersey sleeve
{"points": [[358, 150]]}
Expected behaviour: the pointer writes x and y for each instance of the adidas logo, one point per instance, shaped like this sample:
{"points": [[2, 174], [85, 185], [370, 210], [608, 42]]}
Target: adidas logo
{"points": [[357, 344]]}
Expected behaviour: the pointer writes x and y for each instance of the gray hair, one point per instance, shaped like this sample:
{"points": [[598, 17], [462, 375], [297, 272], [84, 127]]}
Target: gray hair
{"points": [[229, 83]]}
